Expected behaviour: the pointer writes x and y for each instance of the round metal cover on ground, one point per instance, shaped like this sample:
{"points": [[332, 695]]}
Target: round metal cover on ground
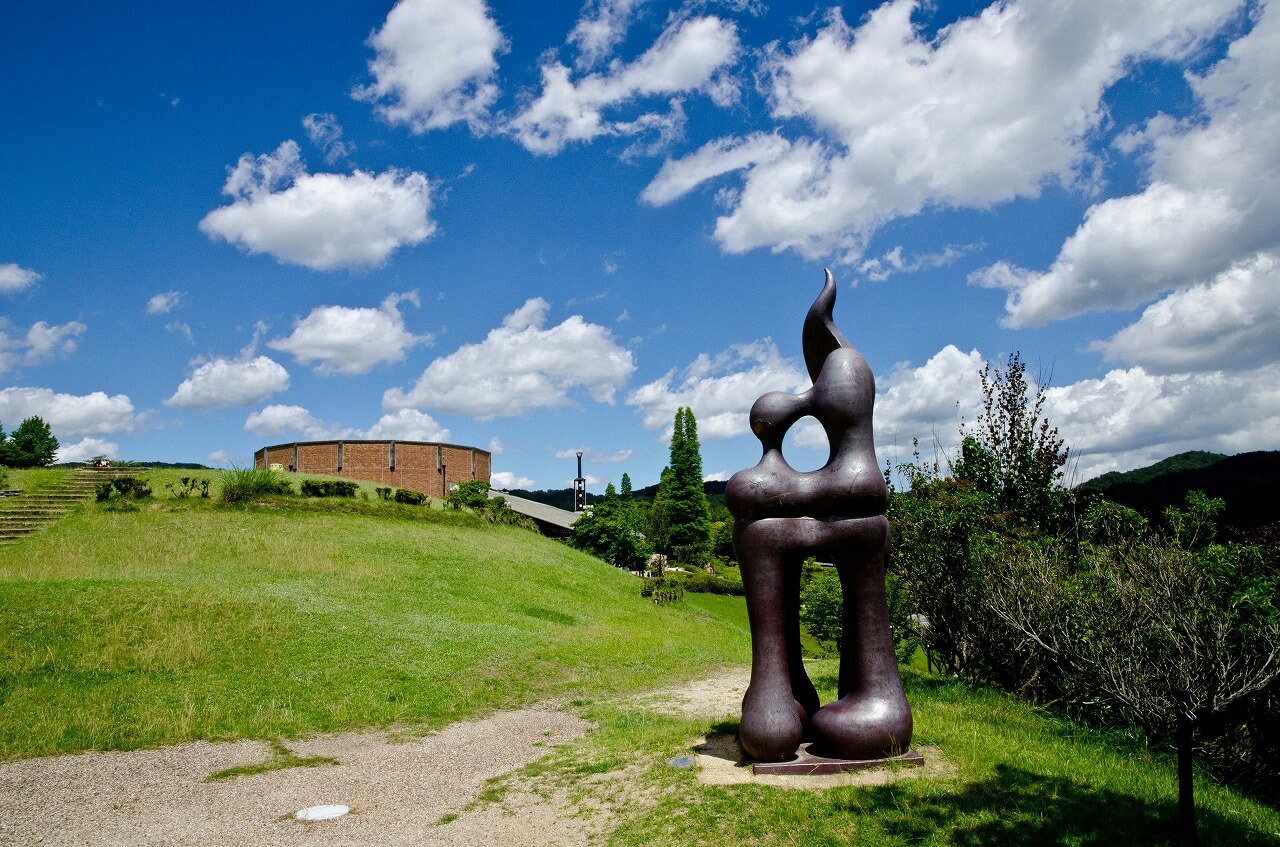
{"points": [[322, 813]]}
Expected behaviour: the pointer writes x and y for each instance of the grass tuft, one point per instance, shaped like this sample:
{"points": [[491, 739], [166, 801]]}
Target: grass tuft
{"points": [[281, 758]]}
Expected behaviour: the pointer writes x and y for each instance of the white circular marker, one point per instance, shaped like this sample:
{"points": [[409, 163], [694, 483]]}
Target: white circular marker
{"points": [[322, 813]]}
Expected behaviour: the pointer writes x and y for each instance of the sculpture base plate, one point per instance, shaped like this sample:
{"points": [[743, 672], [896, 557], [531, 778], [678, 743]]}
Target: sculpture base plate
{"points": [[808, 764]]}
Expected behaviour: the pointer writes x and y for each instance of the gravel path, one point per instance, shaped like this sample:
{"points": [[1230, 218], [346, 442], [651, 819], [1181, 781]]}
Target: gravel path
{"points": [[398, 792]]}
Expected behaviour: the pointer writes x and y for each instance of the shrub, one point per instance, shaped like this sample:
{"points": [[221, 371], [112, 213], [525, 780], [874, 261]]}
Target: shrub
{"points": [[473, 494], [662, 591], [328, 488], [243, 484], [409, 497], [124, 488], [188, 486], [701, 582], [384, 493], [822, 607]]}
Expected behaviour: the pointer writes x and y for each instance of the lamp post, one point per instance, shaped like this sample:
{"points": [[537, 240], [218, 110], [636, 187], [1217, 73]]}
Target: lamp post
{"points": [[580, 488]]}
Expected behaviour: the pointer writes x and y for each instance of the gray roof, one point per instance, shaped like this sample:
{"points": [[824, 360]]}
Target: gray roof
{"points": [[538, 511]]}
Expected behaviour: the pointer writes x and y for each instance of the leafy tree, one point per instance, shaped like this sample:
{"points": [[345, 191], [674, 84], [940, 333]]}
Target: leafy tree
{"points": [[1013, 454], [625, 493], [681, 500], [32, 445], [612, 530], [822, 606], [472, 494]]}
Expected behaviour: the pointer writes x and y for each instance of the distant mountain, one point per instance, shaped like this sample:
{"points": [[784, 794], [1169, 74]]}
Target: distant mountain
{"points": [[1248, 482], [1189, 461], [714, 488]]}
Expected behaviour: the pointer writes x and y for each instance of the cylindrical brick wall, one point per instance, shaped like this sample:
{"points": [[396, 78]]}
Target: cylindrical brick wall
{"points": [[418, 465]]}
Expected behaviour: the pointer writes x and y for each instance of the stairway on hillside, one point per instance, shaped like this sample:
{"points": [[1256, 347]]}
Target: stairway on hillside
{"points": [[25, 513]]}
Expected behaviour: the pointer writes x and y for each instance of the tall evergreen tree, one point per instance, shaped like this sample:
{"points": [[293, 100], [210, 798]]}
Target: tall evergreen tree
{"points": [[625, 493], [682, 500]]}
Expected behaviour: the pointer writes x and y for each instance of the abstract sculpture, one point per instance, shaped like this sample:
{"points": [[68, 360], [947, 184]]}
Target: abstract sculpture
{"points": [[836, 513]]}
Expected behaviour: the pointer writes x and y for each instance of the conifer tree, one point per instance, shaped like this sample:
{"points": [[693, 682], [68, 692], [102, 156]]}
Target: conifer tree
{"points": [[681, 501]]}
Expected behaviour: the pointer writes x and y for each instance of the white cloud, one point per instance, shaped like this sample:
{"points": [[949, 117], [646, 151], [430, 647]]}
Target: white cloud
{"points": [[880, 269], [989, 109], [41, 342], [684, 59], [435, 64], [1213, 199], [1131, 418], [719, 389], [1231, 323], [718, 476], [520, 366], [279, 418], [164, 302], [496, 447], [927, 403], [326, 133], [220, 457], [182, 329], [506, 481], [601, 28], [351, 340], [87, 448], [68, 415], [230, 382], [320, 221], [678, 177], [409, 425], [14, 278]]}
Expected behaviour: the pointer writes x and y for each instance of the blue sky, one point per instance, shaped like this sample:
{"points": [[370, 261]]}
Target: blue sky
{"points": [[540, 228]]}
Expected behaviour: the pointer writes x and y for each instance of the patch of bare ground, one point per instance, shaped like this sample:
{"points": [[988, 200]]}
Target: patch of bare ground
{"points": [[411, 792]]}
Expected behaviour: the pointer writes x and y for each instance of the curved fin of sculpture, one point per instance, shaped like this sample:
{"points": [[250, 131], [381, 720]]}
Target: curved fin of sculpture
{"points": [[821, 336]]}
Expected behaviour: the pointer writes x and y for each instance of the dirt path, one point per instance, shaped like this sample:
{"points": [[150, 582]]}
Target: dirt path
{"points": [[420, 791], [400, 793]]}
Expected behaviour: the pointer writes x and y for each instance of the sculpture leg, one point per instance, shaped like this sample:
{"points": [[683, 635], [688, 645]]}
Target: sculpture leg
{"points": [[871, 720], [773, 721], [801, 686]]}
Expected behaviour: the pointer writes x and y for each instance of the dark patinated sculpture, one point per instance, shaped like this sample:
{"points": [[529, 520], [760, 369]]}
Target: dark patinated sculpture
{"points": [[836, 513]]}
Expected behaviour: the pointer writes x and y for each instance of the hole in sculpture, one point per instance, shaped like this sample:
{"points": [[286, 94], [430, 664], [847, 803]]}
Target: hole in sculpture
{"points": [[806, 447]]}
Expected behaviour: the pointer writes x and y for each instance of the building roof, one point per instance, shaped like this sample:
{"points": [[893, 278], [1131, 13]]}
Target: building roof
{"points": [[540, 512]]}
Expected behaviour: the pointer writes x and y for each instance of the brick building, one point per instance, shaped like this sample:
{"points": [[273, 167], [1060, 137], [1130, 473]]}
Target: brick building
{"points": [[418, 465]]}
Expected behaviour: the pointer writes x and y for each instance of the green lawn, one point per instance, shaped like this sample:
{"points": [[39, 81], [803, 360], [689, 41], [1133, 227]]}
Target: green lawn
{"points": [[186, 619]]}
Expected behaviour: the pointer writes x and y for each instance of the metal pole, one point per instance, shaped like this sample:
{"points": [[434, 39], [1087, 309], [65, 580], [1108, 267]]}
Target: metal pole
{"points": [[580, 488], [1186, 798]]}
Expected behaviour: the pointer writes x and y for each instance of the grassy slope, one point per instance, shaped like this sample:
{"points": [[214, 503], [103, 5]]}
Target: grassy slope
{"points": [[189, 620]]}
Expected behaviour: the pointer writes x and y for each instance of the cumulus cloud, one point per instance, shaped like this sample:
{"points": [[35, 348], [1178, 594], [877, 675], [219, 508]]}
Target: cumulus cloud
{"points": [[927, 403], [678, 177], [496, 447], [408, 424], [326, 133], [68, 415], [351, 340], [230, 382], [220, 457], [720, 389], [1212, 202], [42, 342], [164, 302], [321, 221], [435, 64], [1131, 417], [601, 27], [685, 58], [15, 278], [1230, 323], [520, 366], [87, 448], [279, 418], [507, 481], [989, 109]]}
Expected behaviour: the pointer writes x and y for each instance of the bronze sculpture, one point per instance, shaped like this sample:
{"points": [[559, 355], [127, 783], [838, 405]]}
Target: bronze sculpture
{"points": [[836, 513]]}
